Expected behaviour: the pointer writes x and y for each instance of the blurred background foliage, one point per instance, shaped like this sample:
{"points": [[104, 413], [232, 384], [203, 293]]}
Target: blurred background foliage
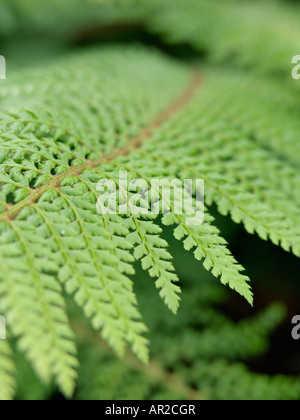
{"points": [[217, 347]]}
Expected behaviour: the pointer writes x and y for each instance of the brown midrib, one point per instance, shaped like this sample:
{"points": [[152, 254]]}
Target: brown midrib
{"points": [[133, 143]]}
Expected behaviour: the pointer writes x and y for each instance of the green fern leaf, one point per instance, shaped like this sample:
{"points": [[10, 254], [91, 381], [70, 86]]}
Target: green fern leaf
{"points": [[128, 108], [7, 372]]}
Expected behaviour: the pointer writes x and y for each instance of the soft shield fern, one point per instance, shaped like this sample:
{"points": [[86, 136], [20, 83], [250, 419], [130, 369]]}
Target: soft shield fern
{"points": [[91, 115]]}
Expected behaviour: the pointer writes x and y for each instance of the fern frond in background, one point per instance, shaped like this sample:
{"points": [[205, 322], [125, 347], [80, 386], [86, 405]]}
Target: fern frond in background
{"points": [[78, 117], [204, 354], [261, 35]]}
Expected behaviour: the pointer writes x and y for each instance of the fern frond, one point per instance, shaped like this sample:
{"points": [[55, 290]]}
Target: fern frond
{"points": [[121, 108], [256, 35], [210, 248], [144, 236], [194, 353], [151, 250], [33, 303], [7, 372], [212, 140], [49, 223], [261, 35]]}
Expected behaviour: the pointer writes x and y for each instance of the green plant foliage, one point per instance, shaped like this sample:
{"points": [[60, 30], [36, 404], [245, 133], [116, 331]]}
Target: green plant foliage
{"points": [[260, 35], [198, 355], [205, 356], [7, 371], [69, 122]]}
